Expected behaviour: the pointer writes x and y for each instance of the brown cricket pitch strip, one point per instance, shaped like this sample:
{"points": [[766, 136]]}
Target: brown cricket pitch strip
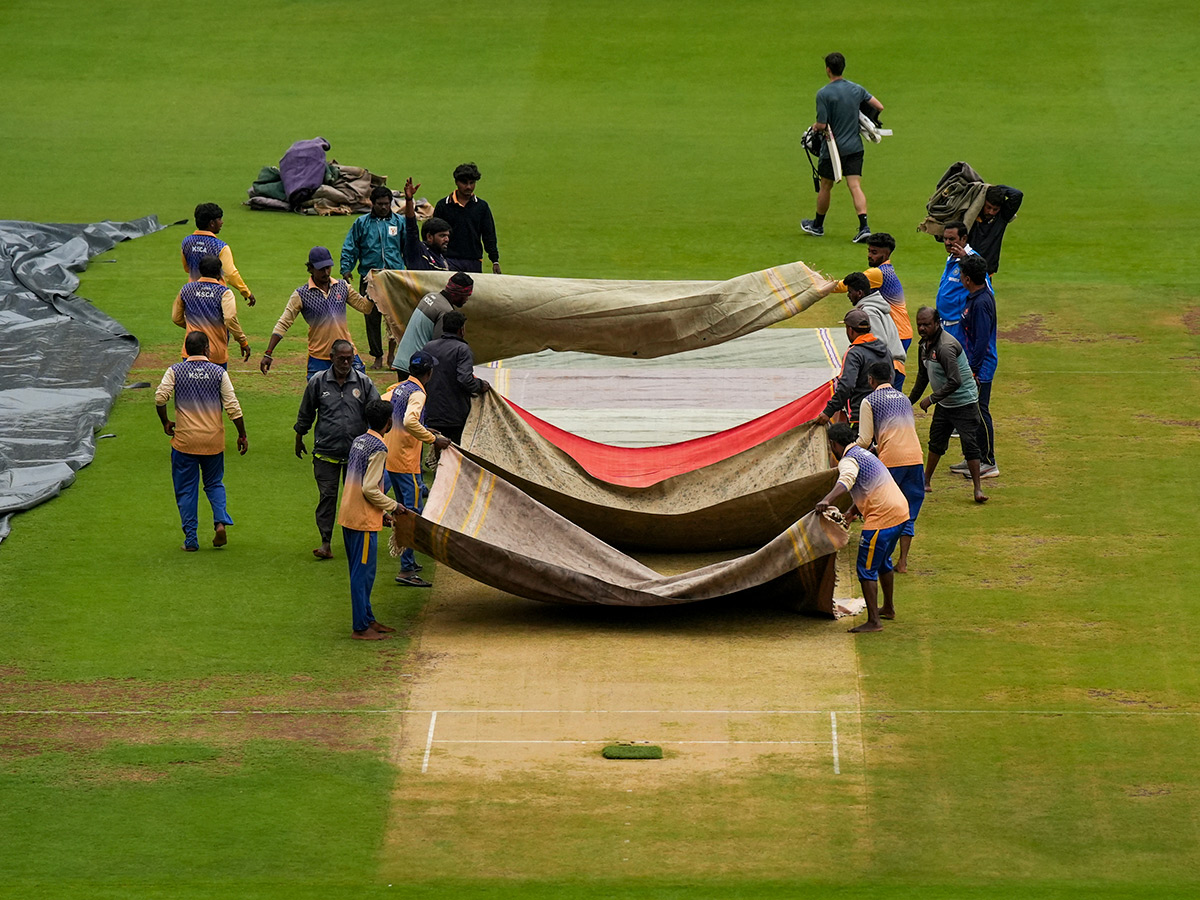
{"points": [[527, 694]]}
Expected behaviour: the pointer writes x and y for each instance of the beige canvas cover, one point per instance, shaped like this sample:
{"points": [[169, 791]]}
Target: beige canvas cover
{"points": [[743, 501], [478, 524], [514, 314]]}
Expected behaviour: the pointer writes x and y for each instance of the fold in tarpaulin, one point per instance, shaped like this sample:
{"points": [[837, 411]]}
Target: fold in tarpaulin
{"points": [[487, 529], [515, 314], [741, 498], [644, 466], [63, 360]]}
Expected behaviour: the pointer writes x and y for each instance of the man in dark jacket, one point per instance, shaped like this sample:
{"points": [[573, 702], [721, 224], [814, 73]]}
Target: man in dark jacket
{"points": [[473, 229], [337, 399], [453, 382], [427, 253], [979, 320], [1000, 205], [852, 386]]}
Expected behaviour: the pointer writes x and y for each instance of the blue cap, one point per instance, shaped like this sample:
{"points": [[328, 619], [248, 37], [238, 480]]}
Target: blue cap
{"points": [[320, 258], [422, 360]]}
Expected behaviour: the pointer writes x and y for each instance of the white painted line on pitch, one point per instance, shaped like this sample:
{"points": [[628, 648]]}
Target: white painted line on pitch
{"points": [[837, 769], [429, 742], [728, 712], [608, 740]]}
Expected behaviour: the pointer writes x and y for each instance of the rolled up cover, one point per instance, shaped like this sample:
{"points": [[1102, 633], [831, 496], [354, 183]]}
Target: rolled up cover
{"points": [[515, 314], [482, 526], [738, 488]]}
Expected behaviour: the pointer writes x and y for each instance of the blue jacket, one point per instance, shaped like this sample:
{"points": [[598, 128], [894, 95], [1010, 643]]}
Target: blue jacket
{"points": [[979, 322], [373, 244]]}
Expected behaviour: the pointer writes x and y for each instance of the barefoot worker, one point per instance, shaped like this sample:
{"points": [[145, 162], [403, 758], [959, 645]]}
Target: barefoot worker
{"points": [[884, 511], [944, 365], [337, 398], [366, 509], [886, 417], [201, 388]]}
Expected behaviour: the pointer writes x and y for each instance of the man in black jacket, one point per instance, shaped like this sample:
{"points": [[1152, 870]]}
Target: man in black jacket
{"points": [[472, 228], [852, 385], [452, 383], [1000, 205]]}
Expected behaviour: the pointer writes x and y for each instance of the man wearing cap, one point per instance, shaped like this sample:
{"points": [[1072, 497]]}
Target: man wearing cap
{"points": [[865, 348], [375, 241], [201, 389], [336, 398], [322, 303], [425, 323], [884, 511], [473, 230], [404, 444], [944, 366]]}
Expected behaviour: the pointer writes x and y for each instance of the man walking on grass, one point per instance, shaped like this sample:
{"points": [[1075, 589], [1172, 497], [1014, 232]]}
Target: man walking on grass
{"points": [[210, 219], [201, 389], [364, 511], [884, 511], [336, 399], [886, 419], [207, 305], [375, 241], [944, 366], [837, 115]]}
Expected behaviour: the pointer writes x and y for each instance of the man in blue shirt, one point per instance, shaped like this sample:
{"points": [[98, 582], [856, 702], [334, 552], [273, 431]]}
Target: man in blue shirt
{"points": [[979, 320], [375, 241], [951, 295], [837, 114]]}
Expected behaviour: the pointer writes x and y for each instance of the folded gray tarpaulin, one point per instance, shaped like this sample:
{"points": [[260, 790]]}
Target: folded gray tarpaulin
{"points": [[62, 361], [478, 524]]}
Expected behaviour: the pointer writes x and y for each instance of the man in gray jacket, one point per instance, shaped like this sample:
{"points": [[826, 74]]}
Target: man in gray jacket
{"points": [[425, 323], [879, 311], [944, 366], [337, 398], [852, 385]]}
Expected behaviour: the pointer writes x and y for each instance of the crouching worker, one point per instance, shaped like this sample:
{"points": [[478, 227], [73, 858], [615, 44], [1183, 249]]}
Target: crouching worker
{"points": [[884, 512], [364, 511]]}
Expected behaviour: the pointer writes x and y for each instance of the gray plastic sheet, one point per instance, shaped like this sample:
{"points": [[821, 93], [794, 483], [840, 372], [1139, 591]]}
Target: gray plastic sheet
{"points": [[62, 361]]}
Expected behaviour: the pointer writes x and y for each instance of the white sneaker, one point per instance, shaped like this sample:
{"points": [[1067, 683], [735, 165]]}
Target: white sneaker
{"points": [[989, 471], [961, 466]]}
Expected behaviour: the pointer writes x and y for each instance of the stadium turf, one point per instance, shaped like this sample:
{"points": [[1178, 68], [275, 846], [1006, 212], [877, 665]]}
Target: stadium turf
{"points": [[1029, 721]]}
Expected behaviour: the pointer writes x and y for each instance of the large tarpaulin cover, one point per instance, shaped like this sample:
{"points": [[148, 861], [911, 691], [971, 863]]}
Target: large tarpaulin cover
{"points": [[671, 399], [62, 361], [484, 527], [516, 314], [739, 488]]}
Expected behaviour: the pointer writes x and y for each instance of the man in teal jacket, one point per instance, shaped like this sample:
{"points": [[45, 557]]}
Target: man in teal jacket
{"points": [[375, 241]]}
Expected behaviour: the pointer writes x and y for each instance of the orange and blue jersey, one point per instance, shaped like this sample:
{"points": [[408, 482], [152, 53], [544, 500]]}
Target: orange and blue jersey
{"points": [[363, 499], [325, 313], [408, 431], [200, 244], [886, 417], [207, 305], [201, 389], [872, 488]]}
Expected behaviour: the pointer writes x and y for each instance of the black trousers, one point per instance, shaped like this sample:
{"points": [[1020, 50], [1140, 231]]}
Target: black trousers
{"points": [[374, 325], [330, 476], [987, 433]]}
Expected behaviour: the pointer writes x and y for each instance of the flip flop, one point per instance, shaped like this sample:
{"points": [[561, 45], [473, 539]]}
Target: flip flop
{"points": [[412, 581]]}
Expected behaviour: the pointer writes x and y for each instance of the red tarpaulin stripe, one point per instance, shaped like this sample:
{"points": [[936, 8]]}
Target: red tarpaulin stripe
{"points": [[644, 466]]}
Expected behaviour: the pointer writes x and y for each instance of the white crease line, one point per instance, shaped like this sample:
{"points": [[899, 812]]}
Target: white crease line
{"points": [[729, 712], [608, 740], [837, 769], [429, 742]]}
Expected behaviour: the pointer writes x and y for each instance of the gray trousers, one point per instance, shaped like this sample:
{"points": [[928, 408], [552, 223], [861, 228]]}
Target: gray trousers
{"points": [[329, 477]]}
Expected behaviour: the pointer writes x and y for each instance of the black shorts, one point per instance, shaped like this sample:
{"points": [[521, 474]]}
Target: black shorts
{"points": [[946, 419], [851, 165]]}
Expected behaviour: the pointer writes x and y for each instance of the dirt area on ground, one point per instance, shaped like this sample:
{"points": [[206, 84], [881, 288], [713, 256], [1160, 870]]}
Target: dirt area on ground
{"points": [[1028, 330], [1191, 319], [526, 695]]}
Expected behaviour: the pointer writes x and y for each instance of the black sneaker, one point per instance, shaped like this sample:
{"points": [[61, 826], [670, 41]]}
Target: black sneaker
{"points": [[810, 227], [861, 237]]}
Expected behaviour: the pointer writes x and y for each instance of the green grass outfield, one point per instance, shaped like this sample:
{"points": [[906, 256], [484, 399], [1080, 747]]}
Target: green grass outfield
{"points": [[632, 140]]}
